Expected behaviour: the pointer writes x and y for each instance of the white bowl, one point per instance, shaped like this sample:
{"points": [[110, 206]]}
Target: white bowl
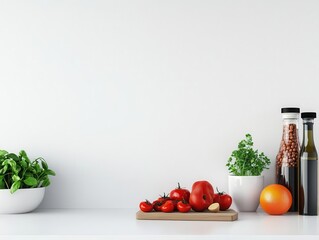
{"points": [[22, 201]]}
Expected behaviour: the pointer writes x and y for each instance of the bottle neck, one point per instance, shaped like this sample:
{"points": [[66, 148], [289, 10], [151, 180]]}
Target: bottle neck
{"points": [[287, 121], [290, 129], [308, 139]]}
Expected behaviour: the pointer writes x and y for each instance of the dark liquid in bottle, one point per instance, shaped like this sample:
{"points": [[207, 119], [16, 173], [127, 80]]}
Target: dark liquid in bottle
{"points": [[308, 187], [288, 177]]}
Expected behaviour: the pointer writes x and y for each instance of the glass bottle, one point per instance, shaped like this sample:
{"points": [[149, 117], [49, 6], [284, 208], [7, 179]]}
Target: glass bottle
{"points": [[308, 168], [288, 156]]}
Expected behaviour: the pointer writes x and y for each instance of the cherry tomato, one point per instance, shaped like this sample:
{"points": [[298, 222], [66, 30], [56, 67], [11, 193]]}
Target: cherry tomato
{"points": [[164, 198], [183, 206], [168, 206], [275, 199], [146, 206], [223, 199], [157, 205], [175, 202], [179, 194]]}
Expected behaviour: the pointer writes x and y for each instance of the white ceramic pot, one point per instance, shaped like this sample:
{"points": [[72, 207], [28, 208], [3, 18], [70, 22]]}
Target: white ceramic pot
{"points": [[22, 201], [245, 191]]}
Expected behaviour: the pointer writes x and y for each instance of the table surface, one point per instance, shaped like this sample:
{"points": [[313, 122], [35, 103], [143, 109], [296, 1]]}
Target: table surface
{"points": [[122, 222]]}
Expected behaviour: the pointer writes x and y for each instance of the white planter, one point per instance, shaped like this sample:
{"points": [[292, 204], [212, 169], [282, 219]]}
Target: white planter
{"points": [[245, 191], [22, 201]]}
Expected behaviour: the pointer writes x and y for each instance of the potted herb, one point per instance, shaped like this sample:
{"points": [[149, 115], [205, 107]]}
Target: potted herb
{"points": [[246, 182], [22, 182]]}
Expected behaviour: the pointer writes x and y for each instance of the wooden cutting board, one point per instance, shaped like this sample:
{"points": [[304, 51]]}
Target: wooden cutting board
{"points": [[229, 215]]}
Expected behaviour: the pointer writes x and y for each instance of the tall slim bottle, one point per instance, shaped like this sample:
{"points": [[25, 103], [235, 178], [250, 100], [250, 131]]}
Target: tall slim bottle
{"points": [[308, 168], [288, 156]]}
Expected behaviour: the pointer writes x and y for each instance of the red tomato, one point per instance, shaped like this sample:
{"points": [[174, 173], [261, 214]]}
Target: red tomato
{"points": [[163, 198], [157, 205], [175, 202], [202, 196], [179, 194], [146, 206], [183, 206], [168, 206], [223, 199]]}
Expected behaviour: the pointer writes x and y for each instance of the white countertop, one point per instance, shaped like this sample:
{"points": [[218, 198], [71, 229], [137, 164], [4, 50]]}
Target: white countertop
{"points": [[121, 224]]}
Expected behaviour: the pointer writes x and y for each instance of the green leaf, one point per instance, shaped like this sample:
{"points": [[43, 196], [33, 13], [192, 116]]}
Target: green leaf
{"points": [[4, 169], [24, 164], [32, 170], [3, 152], [12, 163], [24, 156], [14, 166], [2, 184], [17, 169], [37, 167], [28, 174], [15, 186], [5, 162], [50, 172], [15, 178], [44, 165], [46, 182], [13, 157], [30, 181]]}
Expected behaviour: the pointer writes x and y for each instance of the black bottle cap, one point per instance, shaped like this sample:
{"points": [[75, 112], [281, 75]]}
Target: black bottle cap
{"points": [[308, 115], [290, 110]]}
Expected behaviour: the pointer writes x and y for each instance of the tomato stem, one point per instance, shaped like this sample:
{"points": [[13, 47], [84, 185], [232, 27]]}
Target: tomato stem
{"points": [[220, 193], [164, 195]]}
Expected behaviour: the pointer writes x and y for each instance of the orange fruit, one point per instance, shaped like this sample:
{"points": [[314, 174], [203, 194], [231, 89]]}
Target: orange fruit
{"points": [[275, 199]]}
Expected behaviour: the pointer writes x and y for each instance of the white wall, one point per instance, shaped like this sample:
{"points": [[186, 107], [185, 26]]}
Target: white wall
{"points": [[126, 98]]}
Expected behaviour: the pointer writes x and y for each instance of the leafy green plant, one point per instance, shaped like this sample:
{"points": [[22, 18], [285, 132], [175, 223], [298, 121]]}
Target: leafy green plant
{"points": [[18, 171], [245, 161]]}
